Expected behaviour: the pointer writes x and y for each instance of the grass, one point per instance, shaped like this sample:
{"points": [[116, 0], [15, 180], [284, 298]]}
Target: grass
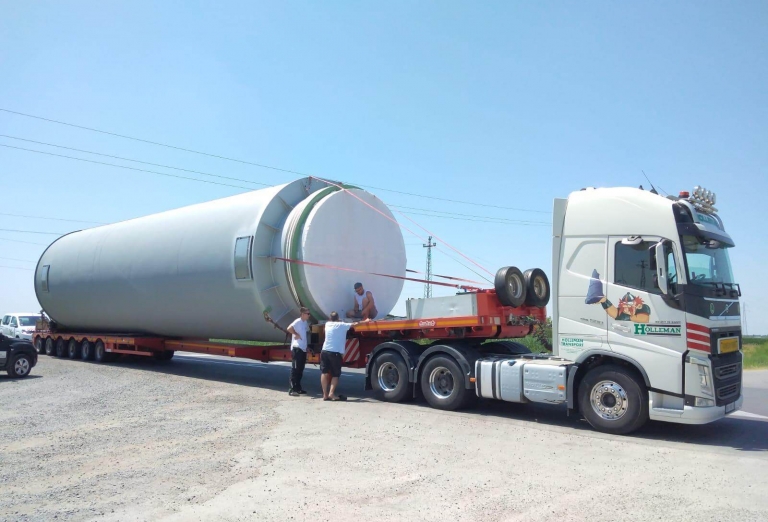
{"points": [[755, 352]]}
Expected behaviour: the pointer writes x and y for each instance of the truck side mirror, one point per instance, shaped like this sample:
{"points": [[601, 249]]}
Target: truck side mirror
{"points": [[661, 268]]}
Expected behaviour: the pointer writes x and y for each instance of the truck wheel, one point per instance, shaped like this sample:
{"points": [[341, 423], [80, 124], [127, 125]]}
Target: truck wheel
{"points": [[50, 348], [73, 349], [164, 356], [20, 366], [87, 350], [389, 377], [61, 347], [612, 400], [100, 352], [39, 345], [510, 286], [442, 383], [537, 287]]}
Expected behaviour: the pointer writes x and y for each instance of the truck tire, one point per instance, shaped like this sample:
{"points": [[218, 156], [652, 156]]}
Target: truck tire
{"points": [[510, 286], [389, 378], [166, 355], [100, 353], [87, 350], [613, 400], [20, 366], [61, 347], [73, 349], [50, 347], [40, 345], [442, 383], [536, 287]]}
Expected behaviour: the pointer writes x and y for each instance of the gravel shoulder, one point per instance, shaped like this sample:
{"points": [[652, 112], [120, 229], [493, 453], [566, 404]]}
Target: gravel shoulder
{"points": [[206, 438]]}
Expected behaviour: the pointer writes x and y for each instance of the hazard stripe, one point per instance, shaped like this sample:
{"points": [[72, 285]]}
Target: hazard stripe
{"points": [[697, 337], [351, 351], [698, 328], [696, 345]]}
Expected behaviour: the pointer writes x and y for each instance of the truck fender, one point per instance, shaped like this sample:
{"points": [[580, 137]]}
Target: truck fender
{"points": [[464, 355], [571, 391], [409, 351]]}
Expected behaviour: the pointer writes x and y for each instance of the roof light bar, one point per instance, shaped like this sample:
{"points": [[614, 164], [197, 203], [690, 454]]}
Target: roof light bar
{"points": [[703, 200]]}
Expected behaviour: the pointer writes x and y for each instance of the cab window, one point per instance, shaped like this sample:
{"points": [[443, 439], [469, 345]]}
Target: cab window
{"points": [[632, 266]]}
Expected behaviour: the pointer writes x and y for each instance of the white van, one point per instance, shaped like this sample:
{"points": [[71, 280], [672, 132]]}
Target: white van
{"points": [[19, 325]]}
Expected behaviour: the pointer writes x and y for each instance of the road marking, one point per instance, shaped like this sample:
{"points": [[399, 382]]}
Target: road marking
{"points": [[747, 415]]}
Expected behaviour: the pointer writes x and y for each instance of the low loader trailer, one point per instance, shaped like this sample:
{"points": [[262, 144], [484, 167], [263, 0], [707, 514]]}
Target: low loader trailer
{"points": [[645, 323]]}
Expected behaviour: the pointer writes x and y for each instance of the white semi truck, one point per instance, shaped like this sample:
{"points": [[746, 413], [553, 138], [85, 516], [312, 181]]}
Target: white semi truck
{"points": [[645, 317]]}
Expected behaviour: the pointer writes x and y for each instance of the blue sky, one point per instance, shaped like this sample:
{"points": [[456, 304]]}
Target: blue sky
{"points": [[504, 104]]}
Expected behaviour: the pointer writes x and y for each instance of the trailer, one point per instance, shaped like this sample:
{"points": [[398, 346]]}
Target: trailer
{"points": [[645, 318]]}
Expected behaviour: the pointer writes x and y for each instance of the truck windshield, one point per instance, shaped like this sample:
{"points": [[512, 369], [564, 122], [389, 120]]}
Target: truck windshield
{"points": [[28, 320], [707, 261]]}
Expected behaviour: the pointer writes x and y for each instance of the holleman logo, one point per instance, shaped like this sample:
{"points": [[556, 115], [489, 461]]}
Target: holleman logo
{"points": [[423, 324], [657, 329]]}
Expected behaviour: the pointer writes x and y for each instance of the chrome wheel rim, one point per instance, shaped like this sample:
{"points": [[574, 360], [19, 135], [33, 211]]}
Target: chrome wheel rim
{"points": [[515, 286], [609, 400], [388, 377], [21, 367], [441, 382], [539, 288]]}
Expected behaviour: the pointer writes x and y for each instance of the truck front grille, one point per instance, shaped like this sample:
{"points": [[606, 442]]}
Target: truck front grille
{"points": [[728, 392], [726, 371]]}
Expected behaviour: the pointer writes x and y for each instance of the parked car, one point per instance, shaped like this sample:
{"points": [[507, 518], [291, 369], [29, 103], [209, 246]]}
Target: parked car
{"points": [[17, 356], [19, 325]]}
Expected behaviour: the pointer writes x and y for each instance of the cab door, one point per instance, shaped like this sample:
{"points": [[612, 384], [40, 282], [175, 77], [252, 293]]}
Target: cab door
{"points": [[644, 324]]}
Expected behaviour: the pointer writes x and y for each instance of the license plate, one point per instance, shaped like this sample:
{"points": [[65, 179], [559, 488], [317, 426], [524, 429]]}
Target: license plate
{"points": [[730, 407], [729, 345]]}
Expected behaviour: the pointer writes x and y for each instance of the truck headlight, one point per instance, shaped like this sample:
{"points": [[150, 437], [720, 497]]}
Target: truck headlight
{"points": [[705, 380], [700, 402]]}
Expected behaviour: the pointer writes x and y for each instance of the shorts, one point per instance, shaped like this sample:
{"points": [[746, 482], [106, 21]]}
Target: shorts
{"points": [[359, 314], [330, 362]]}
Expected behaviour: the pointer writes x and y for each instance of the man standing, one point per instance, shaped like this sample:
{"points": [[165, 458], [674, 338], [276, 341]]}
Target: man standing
{"points": [[364, 307], [299, 330], [331, 356]]}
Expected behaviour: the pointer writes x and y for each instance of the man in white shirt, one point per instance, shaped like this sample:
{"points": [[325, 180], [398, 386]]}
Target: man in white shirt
{"points": [[299, 330], [364, 306], [331, 357]]}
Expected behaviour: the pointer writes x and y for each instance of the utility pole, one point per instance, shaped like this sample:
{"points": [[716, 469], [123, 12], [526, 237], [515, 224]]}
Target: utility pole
{"points": [[427, 285]]}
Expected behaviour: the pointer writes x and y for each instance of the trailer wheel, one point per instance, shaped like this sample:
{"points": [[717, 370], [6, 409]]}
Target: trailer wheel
{"points": [[100, 352], [166, 355], [61, 347], [50, 348], [510, 286], [612, 400], [20, 366], [389, 377], [87, 350], [442, 383], [537, 287], [39, 345], [73, 349]]}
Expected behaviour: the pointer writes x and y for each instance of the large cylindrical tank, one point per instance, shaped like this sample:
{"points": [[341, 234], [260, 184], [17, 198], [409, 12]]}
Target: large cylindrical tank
{"points": [[211, 270]]}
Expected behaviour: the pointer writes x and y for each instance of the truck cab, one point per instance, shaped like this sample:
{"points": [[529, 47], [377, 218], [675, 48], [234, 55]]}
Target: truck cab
{"points": [[643, 284]]}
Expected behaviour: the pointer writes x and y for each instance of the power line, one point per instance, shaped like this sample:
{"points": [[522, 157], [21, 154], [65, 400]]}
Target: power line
{"points": [[52, 219], [18, 268], [475, 216], [14, 259], [261, 165], [134, 160], [124, 167], [476, 220], [19, 241], [33, 232]]}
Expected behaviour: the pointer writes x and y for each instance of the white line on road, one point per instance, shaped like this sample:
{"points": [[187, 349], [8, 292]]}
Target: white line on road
{"points": [[747, 415]]}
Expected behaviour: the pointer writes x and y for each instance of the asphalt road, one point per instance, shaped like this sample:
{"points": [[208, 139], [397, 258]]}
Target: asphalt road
{"points": [[210, 438], [755, 390]]}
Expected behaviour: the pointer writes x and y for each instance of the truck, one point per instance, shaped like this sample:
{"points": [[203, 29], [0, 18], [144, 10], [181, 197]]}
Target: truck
{"points": [[645, 323]]}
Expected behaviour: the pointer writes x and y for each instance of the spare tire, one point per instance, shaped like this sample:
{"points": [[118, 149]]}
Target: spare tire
{"points": [[510, 286], [537, 287]]}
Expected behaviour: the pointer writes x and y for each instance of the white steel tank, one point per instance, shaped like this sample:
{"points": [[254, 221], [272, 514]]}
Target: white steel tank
{"points": [[211, 270]]}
